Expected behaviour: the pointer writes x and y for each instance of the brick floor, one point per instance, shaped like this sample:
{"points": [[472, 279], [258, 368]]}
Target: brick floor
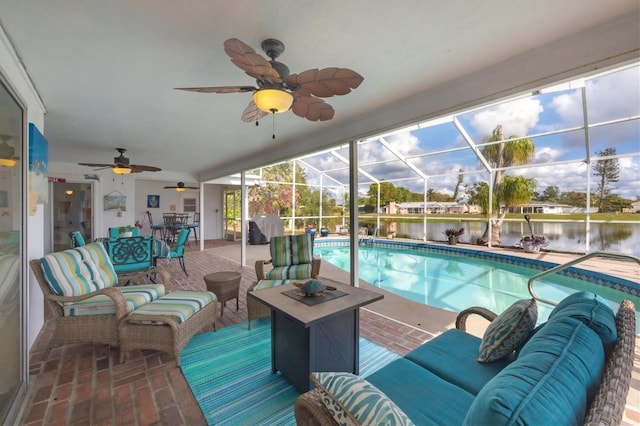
{"points": [[85, 384]]}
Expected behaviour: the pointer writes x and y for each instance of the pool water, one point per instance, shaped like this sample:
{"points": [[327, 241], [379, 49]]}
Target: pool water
{"points": [[454, 282]]}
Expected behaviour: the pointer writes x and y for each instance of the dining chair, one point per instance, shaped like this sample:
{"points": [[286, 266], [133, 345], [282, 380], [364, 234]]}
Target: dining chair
{"points": [[155, 228], [173, 225], [177, 252], [77, 240], [115, 232], [195, 225]]}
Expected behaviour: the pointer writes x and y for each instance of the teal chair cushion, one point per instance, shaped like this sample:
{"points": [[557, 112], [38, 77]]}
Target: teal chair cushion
{"points": [[558, 370], [592, 310], [179, 305], [291, 250], [423, 396], [291, 272], [79, 271], [101, 304], [445, 353]]}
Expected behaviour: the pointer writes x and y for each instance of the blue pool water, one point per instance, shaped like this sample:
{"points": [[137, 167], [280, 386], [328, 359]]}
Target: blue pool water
{"points": [[454, 280]]}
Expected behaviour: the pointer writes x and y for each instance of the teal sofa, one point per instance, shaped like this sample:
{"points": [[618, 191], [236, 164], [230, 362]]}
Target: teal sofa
{"points": [[575, 368]]}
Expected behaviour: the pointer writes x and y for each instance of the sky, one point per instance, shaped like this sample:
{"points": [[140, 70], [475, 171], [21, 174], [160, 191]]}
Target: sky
{"points": [[553, 119]]}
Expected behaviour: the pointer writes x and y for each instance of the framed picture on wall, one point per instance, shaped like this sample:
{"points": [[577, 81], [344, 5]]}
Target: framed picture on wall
{"points": [[153, 201]]}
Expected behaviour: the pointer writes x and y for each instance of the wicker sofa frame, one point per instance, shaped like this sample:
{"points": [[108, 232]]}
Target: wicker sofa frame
{"points": [[607, 407], [85, 328]]}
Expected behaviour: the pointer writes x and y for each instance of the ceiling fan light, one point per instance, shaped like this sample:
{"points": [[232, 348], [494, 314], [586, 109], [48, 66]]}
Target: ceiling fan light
{"points": [[121, 170], [68, 191], [273, 100], [180, 189], [7, 162]]}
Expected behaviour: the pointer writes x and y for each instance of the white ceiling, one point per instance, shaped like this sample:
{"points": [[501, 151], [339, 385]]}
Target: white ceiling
{"points": [[106, 70]]}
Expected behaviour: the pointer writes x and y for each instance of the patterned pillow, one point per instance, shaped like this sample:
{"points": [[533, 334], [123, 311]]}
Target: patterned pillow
{"points": [[354, 401], [508, 330]]}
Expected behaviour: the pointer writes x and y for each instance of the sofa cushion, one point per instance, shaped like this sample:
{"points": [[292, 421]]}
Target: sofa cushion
{"points": [[422, 395], [354, 401], [508, 330], [592, 310], [101, 304], [291, 250], [179, 305], [78, 271], [550, 383], [444, 354]]}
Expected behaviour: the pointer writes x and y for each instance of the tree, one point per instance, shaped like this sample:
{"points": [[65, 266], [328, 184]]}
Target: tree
{"points": [[608, 170], [550, 194], [501, 155]]}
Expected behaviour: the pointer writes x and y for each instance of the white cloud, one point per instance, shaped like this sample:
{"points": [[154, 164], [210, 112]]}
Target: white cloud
{"points": [[516, 117], [546, 155]]}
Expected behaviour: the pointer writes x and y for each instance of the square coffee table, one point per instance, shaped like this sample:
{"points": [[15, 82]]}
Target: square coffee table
{"points": [[322, 337]]}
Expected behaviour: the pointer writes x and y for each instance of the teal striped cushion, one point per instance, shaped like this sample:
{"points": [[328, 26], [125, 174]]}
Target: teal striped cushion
{"points": [[78, 271], [179, 304], [291, 250], [101, 304], [353, 400], [292, 272], [96, 253], [262, 284]]}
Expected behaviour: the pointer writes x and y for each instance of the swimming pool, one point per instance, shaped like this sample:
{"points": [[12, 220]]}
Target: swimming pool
{"points": [[455, 279]]}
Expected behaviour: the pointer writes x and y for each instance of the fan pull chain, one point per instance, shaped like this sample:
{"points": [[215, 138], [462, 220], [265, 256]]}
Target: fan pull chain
{"points": [[273, 116]]}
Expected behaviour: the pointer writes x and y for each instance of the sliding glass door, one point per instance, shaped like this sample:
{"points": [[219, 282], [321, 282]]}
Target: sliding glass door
{"points": [[12, 220]]}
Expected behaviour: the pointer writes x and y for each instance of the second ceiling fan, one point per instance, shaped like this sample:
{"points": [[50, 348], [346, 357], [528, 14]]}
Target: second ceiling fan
{"points": [[278, 90], [181, 187]]}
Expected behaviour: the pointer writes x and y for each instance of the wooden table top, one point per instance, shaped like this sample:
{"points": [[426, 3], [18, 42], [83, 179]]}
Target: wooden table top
{"points": [[308, 315]]}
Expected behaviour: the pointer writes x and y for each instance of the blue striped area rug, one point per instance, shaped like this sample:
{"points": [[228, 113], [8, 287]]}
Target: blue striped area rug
{"points": [[229, 372]]}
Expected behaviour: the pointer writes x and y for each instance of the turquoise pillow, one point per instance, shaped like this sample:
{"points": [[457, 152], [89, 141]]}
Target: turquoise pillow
{"points": [[550, 383], [508, 330], [593, 311], [353, 400]]}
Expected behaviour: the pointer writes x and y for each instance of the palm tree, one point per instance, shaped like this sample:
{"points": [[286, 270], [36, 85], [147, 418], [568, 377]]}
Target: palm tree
{"points": [[506, 192]]}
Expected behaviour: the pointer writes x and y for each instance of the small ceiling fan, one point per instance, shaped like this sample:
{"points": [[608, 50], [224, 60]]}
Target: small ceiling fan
{"points": [[121, 165], [277, 90], [181, 187]]}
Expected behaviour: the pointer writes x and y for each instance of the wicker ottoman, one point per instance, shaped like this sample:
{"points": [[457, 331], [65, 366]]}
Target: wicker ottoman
{"points": [[168, 323], [225, 285]]}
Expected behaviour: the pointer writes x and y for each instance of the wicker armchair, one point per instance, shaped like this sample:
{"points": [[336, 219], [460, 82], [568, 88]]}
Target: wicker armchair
{"points": [[292, 259], [80, 329], [607, 407]]}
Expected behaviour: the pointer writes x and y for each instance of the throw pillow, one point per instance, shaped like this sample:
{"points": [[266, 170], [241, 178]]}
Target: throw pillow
{"points": [[508, 330], [354, 401]]}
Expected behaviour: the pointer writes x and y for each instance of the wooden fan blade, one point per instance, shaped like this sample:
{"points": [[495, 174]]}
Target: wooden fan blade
{"points": [[252, 113], [326, 82], [245, 58], [312, 109], [219, 89], [137, 168], [96, 165]]}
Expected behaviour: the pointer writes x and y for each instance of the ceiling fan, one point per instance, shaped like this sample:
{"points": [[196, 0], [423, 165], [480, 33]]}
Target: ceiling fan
{"points": [[277, 90], [181, 187], [121, 165]]}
